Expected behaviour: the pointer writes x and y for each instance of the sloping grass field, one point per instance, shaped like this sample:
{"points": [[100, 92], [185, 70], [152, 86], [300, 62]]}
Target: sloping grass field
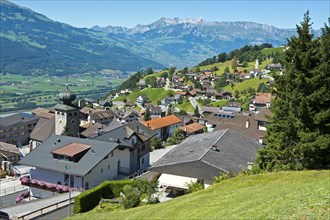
{"points": [[282, 195], [154, 95]]}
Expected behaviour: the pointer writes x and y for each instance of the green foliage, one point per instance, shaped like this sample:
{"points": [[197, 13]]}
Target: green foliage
{"points": [[131, 198], [234, 63], [221, 177], [156, 143], [178, 136], [299, 136], [182, 112], [151, 81], [147, 188], [196, 112], [277, 195], [194, 186], [147, 116], [90, 198]]}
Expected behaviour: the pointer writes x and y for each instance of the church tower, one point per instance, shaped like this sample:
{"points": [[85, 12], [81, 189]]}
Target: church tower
{"points": [[67, 114]]}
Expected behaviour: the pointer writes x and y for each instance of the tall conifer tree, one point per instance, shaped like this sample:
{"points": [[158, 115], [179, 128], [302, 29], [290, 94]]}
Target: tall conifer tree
{"points": [[299, 136]]}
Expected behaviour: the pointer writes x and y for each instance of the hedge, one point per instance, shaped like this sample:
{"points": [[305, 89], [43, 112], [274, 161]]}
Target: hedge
{"points": [[89, 199]]}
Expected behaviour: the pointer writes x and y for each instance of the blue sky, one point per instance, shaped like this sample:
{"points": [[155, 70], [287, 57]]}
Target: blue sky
{"points": [[283, 14]]}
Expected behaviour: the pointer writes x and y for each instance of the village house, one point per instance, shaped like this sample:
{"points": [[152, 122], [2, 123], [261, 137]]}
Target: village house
{"points": [[104, 117], [135, 135], [263, 118], [191, 129], [141, 99], [88, 162], [16, 128], [142, 84], [262, 100], [205, 156], [9, 155], [164, 127], [128, 117]]}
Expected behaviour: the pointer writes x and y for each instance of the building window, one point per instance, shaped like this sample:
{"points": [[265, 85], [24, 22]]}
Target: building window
{"points": [[70, 114], [142, 160], [101, 170], [111, 153], [108, 167], [143, 147]]}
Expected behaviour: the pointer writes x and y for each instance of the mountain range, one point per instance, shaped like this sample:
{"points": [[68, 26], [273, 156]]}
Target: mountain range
{"points": [[33, 43]]}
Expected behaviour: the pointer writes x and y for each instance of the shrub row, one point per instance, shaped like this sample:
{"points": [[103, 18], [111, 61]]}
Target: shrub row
{"points": [[91, 198]]}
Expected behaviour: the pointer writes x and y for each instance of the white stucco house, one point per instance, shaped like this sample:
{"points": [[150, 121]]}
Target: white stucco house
{"points": [[88, 162]]}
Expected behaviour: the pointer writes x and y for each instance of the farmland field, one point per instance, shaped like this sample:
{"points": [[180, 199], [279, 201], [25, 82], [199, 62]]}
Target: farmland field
{"points": [[43, 90]]}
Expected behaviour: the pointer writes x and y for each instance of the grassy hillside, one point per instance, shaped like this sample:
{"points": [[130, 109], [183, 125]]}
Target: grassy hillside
{"points": [[154, 95], [267, 51], [283, 195], [253, 83]]}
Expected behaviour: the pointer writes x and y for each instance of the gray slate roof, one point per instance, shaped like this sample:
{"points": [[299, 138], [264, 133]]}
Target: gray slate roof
{"points": [[41, 157], [16, 119], [44, 129], [234, 151], [123, 132]]}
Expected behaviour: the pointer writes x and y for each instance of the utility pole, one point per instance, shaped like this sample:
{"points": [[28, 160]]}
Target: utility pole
{"points": [[67, 167]]}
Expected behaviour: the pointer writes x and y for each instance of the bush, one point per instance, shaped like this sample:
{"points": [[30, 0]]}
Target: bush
{"points": [[91, 198], [221, 177], [156, 143], [131, 197], [195, 186]]}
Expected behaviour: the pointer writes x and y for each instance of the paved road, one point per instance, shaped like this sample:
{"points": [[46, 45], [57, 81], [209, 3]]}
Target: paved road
{"points": [[194, 103], [9, 200]]}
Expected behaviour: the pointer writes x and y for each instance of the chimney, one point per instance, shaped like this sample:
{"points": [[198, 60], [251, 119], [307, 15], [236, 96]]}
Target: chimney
{"points": [[118, 141], [148, 125], [247, 124], [214, 147], [261, 140]]}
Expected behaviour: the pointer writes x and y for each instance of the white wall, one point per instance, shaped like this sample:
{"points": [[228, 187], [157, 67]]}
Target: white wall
{"points": [[172, 129], [95, 177]]}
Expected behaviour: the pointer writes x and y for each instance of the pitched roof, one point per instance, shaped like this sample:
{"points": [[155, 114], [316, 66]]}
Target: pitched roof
{"points": [[9, 148], [238, 124], [191, 128], [264, 114], [162, 122], [263, 98], [124, 131], [41, 157], [43, 130], [101, 114], [232, 154], [92, 129], [71, 149], [17, 119]]}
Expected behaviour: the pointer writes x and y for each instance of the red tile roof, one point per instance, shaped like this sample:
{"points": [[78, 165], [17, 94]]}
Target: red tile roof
{"points": [[263, 98], [162, 122], [191, 128]]}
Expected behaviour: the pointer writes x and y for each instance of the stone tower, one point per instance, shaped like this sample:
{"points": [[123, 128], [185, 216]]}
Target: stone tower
{"points": [[67, 115]]}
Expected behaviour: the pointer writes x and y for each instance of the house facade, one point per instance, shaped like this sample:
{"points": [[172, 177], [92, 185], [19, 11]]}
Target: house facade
{"points": [[16, 129], [88, 162], [164, 127]]}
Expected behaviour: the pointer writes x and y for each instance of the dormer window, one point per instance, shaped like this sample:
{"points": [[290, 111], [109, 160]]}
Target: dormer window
{"points": [[133, 140], [71, 152]]}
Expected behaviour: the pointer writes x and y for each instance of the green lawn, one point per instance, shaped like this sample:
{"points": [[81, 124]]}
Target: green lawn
{"points": [[219, 103], [186, 105], [282, 195], [267, 51], [253, 83], [154, 95]]}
